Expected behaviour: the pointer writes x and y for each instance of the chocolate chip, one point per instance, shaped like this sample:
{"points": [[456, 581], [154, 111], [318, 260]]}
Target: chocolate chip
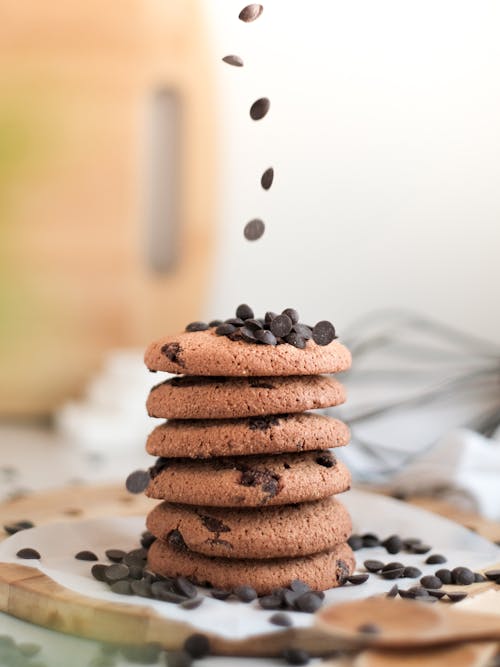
{"points": [[117, 572], [248, 334], [250, 12], [296, 656], [266, 337], [121, 587], [299, 586], [220, 594], [244, 312], [281, 325], [254, 229], [373, 565], [436, 593], [262, 423], [270, 602], [233, 60], [99, 572], [281, 619], [197, 645], [394, 573], [393, 544], [462, 576], [162, 590], [456, 597], [13, 528], [214, 323], [308, 602], [478, 577], [266, 180], [225, 329], [303, 330], [185, 587], [392, 592], [356, 542], [259, 108], [178, 659], [326, 459], [445, 576], [245, 593], [357, 579], [411, 572], [136, 557], [435, 559], [141, 587], [28, 553], [370, 540], [172, 352], [197, 326], [235, 321], [296, 340], [269, 316], [410, 542], [147, 539], [86, 555], [253, 324], [192, 603], [137, 481], [115, 555], [213, 524], [369, 629], [323, 333], [492, 575], [420, 548], [430, 581]]}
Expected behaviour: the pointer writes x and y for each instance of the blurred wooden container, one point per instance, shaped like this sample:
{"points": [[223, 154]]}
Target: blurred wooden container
{"points": [[106, 185]]}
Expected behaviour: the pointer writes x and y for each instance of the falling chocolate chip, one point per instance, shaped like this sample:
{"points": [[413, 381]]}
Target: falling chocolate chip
{"points": [[420, 548], [259, 108], [28, 553], [392, 592], [250, 13], [267, 178], [86, 555], [197, 326], [323, 333], [233, 60], [137, 481], [13, 528], [254, 229]]}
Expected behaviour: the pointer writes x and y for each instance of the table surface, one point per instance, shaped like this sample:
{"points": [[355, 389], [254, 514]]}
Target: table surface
{"points": [[34, 460]]}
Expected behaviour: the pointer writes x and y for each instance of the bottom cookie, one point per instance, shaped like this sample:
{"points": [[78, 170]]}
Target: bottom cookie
{"points": [[320, 571]]}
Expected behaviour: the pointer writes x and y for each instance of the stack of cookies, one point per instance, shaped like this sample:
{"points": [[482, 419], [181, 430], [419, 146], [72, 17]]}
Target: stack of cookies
{"points": [[245, 474]]}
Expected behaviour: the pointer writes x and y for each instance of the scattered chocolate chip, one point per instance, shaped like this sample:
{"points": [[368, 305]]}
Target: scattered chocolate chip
{"points": [[122, 587], [430, 581], [296, 656], [373, 565], [13, 528], [392, 592], [492, 575], [323, 333], [369, 629], [137, 481], [299, 586], [445, 576], [435, 559], [197, 326], [370, 540], [259, 108], [28, 553], [411, 572], [141, 587], [254, 229], [245, 593], [270, 601], [225, 329], [115, 555], [185, 587], [281, 326], [357, 579], [197, 645], [136, 557], [308, 602], [117, 572], [233, 60], [420, 548], [436, 593], [99, 572], [192, 603], [250, 13], [281, 619], [456, 597], [162, 590], [393, 544], [462, 576], [266, 337], [296, 340], [356, 542], [220, 594], [395, 573], [266, 180], [178, 659], [86, 555], [410, 542]]}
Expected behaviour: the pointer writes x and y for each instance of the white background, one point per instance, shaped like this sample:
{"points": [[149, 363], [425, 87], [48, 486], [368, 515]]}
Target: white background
{"points": [[384, 132]]}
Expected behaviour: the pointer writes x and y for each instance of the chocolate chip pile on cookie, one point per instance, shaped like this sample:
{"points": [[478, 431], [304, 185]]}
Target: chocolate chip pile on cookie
{"points": [[245, 471]]}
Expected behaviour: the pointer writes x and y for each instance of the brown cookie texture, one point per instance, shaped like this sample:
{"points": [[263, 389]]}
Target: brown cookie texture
{"points": [[196, 397], [320, 571], [267, 532], [249, 481], [268, 434], [206, 353]]}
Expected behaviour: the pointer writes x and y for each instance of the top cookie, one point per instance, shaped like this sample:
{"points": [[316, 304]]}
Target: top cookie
{"points": [[206, 353]]}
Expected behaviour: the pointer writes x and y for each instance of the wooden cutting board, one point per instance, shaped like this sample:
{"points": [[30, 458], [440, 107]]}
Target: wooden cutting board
{"points": [[30, 595]]}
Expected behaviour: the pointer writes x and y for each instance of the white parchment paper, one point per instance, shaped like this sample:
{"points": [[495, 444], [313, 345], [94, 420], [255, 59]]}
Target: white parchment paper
{"points": [[58, 544]]}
